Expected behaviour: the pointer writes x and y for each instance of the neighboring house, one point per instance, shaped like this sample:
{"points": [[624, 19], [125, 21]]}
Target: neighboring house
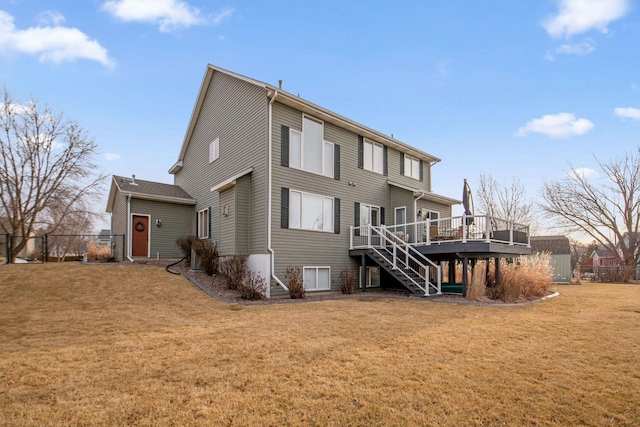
{"points": [[560, 250], [104, 238], [289, 183], [604, 258], [151, 215]]}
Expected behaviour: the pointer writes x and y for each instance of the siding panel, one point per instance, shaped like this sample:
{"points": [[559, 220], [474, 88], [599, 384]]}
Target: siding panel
{"points": [[236, 112], [177, 221]]}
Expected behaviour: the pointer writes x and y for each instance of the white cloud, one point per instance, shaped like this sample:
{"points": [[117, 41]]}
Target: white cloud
{"points": [[580, 16], [51, 17], [112, 157], [559, 125], [586, 173], [51, 43], [630, 113], [581, 49], [222, 15], [169, 15]]}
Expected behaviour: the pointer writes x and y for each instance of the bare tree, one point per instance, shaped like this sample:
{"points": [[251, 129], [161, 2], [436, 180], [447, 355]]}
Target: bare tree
{"points": [[608, 212], [505, 201], [45, 159]]}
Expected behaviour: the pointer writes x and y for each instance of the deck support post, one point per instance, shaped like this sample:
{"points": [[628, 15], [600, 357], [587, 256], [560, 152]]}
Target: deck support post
{"points": [[465, 278], [363, 276], [452, 270], [497, 260]]}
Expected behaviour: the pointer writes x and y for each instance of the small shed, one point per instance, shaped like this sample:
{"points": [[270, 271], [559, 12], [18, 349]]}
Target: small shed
{"points": [[560, 250], [151, 216]]}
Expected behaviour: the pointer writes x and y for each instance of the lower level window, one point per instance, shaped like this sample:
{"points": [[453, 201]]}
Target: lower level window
{"points": [[317, 278], [203, 224]]}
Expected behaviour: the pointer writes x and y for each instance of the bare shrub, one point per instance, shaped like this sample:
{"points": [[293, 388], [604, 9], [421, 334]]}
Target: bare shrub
{"points": [[254, 286], [207, 256], [526, 279], [476, 291], [98, 253], [347, 280], [186, 244], [614, 274], [233, 267], [295, 282]]}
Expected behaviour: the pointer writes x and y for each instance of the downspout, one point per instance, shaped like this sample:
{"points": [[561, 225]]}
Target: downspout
{"points": [[269, 196], [128, 243]]}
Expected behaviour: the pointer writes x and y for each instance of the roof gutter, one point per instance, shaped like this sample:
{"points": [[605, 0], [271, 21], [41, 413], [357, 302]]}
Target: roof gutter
{"points": [[270, 196]]}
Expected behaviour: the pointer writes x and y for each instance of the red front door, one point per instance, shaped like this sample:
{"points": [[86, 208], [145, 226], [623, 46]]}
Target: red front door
{"points": [[140, 236]]}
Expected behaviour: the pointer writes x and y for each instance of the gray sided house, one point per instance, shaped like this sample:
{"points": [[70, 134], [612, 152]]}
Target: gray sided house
{"points": [[265, 173], [150, 215], [283, 180], [560, 250]]}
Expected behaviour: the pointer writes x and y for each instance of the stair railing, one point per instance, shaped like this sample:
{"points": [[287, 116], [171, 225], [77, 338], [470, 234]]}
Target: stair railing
{"points": [[409, 262]]}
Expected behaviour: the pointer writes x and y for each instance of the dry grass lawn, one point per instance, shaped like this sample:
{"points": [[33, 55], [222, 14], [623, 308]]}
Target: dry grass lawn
{"points": [[133, 345]]}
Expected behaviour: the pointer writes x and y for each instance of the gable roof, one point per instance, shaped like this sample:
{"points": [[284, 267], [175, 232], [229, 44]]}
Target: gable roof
{"points": [[298, 103], [149, 190], [556, 245], [603, 253]]}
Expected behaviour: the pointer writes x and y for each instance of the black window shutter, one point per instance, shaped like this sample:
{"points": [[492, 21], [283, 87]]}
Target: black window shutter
{"points": [[284, 211], [356, 219], [420, 171], [382, 216], [284, 138], [360, 152], [336, 162], [401, 163], [210, 223], [197, 215], [336, 216], [385, 162]]}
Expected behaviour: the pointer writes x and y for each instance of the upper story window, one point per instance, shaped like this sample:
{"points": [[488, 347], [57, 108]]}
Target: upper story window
{"points": [[309, 151], [412, 167], [214, 150], [308, 211], [372, 156]]}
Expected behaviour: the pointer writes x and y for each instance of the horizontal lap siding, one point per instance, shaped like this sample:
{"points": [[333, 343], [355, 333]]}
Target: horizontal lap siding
{"points": [[177, 221], [395, 176], [119, 223], [313, 248], [227, 244], [243, 211], [236, 112]]}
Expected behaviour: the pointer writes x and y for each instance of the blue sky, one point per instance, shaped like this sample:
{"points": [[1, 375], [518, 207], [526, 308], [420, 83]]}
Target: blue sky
{"points": [[511, 88]]}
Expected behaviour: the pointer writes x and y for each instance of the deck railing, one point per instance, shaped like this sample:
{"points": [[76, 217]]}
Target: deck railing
{"points": [[466, 228]]}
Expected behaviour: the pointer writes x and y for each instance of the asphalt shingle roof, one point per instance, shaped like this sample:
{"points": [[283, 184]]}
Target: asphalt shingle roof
{"points": [[554, 244], [151, 188]]}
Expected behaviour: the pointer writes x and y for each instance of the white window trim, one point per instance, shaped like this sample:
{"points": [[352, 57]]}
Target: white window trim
{"points": [[395, 217], [199, 225], [316, 267], [324, 144], [410, 175], [214, 150], [302, 193], [373, 156]]}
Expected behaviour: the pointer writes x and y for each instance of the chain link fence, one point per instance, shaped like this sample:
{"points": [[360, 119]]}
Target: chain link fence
{"points": [[63, 247]]}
